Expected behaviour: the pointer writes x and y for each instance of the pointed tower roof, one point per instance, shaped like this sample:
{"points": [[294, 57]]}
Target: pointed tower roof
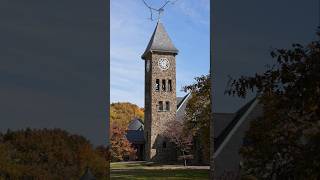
{"points": [[160, 42]]}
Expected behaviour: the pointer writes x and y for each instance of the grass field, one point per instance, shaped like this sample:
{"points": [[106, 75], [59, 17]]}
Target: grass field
{"points": [[143, 170]]}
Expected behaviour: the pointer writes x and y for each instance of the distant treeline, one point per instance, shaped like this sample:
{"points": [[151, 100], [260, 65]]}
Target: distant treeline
{"points": [[49, 154], [121, 113]]}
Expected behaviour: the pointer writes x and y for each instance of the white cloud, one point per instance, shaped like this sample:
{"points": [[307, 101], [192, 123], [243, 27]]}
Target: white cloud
{"points": [[197, 11], [127, 44]]}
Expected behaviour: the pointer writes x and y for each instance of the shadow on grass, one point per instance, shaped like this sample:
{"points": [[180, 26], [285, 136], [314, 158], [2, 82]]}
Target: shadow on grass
{"points": [[141, 174]]}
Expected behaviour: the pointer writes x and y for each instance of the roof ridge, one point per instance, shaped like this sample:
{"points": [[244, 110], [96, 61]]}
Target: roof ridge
{"points": [[183, 101]]}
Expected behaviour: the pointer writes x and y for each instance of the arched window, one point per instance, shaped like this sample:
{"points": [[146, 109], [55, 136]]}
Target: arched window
{"points": [[169, 85], [163, 85], [167, 106], [160, 106]]}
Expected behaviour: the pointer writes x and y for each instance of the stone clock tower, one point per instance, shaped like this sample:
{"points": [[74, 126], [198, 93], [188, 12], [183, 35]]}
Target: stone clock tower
{"points": [[160, 95]]}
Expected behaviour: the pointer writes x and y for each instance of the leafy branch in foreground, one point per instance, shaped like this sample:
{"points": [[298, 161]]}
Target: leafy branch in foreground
{"points": [[285, 141]]}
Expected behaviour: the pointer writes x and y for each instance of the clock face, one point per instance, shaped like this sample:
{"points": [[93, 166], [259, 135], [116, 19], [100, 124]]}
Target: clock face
{"points": [[163, 63]]}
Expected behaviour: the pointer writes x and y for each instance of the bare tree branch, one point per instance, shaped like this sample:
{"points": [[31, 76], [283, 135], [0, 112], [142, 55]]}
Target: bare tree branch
{"points": [[159, 10], [164, 5], [151, 8]]}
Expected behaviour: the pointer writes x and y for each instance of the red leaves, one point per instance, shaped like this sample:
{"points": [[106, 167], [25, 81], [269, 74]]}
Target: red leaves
{"points": [[177, 134], [120, 146]]}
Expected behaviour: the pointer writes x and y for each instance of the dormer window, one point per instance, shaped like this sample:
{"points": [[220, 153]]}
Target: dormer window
{"points": [[163, 85]]}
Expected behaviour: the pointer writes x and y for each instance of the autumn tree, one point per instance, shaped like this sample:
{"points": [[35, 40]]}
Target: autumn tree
{"points": [[177, 134], [121, 148], [122, 113], [104, 152], [48, 154], [198, 112], [120, 116], [285, 142]]}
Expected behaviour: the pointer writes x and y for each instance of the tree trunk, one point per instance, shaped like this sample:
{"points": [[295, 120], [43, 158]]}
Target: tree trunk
{"points": [[184, 159]]}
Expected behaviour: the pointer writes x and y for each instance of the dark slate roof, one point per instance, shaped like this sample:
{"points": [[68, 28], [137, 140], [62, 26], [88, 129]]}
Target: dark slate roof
{"points": [[88, 175], [224, 133], [136, 124], [135, 136], [160, 42]]}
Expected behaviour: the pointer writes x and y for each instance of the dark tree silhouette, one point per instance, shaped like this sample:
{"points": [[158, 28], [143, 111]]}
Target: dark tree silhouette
{"points": [[285, 141], [198, 112]]}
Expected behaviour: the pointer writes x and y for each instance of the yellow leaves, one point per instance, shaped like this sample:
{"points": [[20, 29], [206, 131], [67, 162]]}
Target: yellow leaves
{"points": [[122, 113]]}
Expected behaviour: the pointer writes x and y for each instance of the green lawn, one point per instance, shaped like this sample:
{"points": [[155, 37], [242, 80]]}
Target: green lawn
{"points": [[143, 170]]}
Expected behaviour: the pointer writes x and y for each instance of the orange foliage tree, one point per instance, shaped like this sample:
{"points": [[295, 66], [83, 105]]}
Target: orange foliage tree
{"points": [[121, 148]]}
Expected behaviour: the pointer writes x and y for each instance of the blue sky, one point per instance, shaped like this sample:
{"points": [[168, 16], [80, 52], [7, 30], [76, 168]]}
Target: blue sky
{"points": [[187, 23]]}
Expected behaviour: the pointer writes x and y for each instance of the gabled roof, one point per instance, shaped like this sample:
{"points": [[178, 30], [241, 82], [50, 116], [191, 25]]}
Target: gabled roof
{"points": [[232, 126], [238, 115], [135, 136], [160, 42], [181, 106], [182, 101], [136, 124], [135, 131]]}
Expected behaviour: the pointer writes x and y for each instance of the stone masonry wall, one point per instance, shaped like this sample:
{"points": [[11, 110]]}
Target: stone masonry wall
{"points": [[157, 120]]}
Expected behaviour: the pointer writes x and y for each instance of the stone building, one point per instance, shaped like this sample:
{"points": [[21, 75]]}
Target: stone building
{"points": [[135, 133], [162, 105], [160, 94]]}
